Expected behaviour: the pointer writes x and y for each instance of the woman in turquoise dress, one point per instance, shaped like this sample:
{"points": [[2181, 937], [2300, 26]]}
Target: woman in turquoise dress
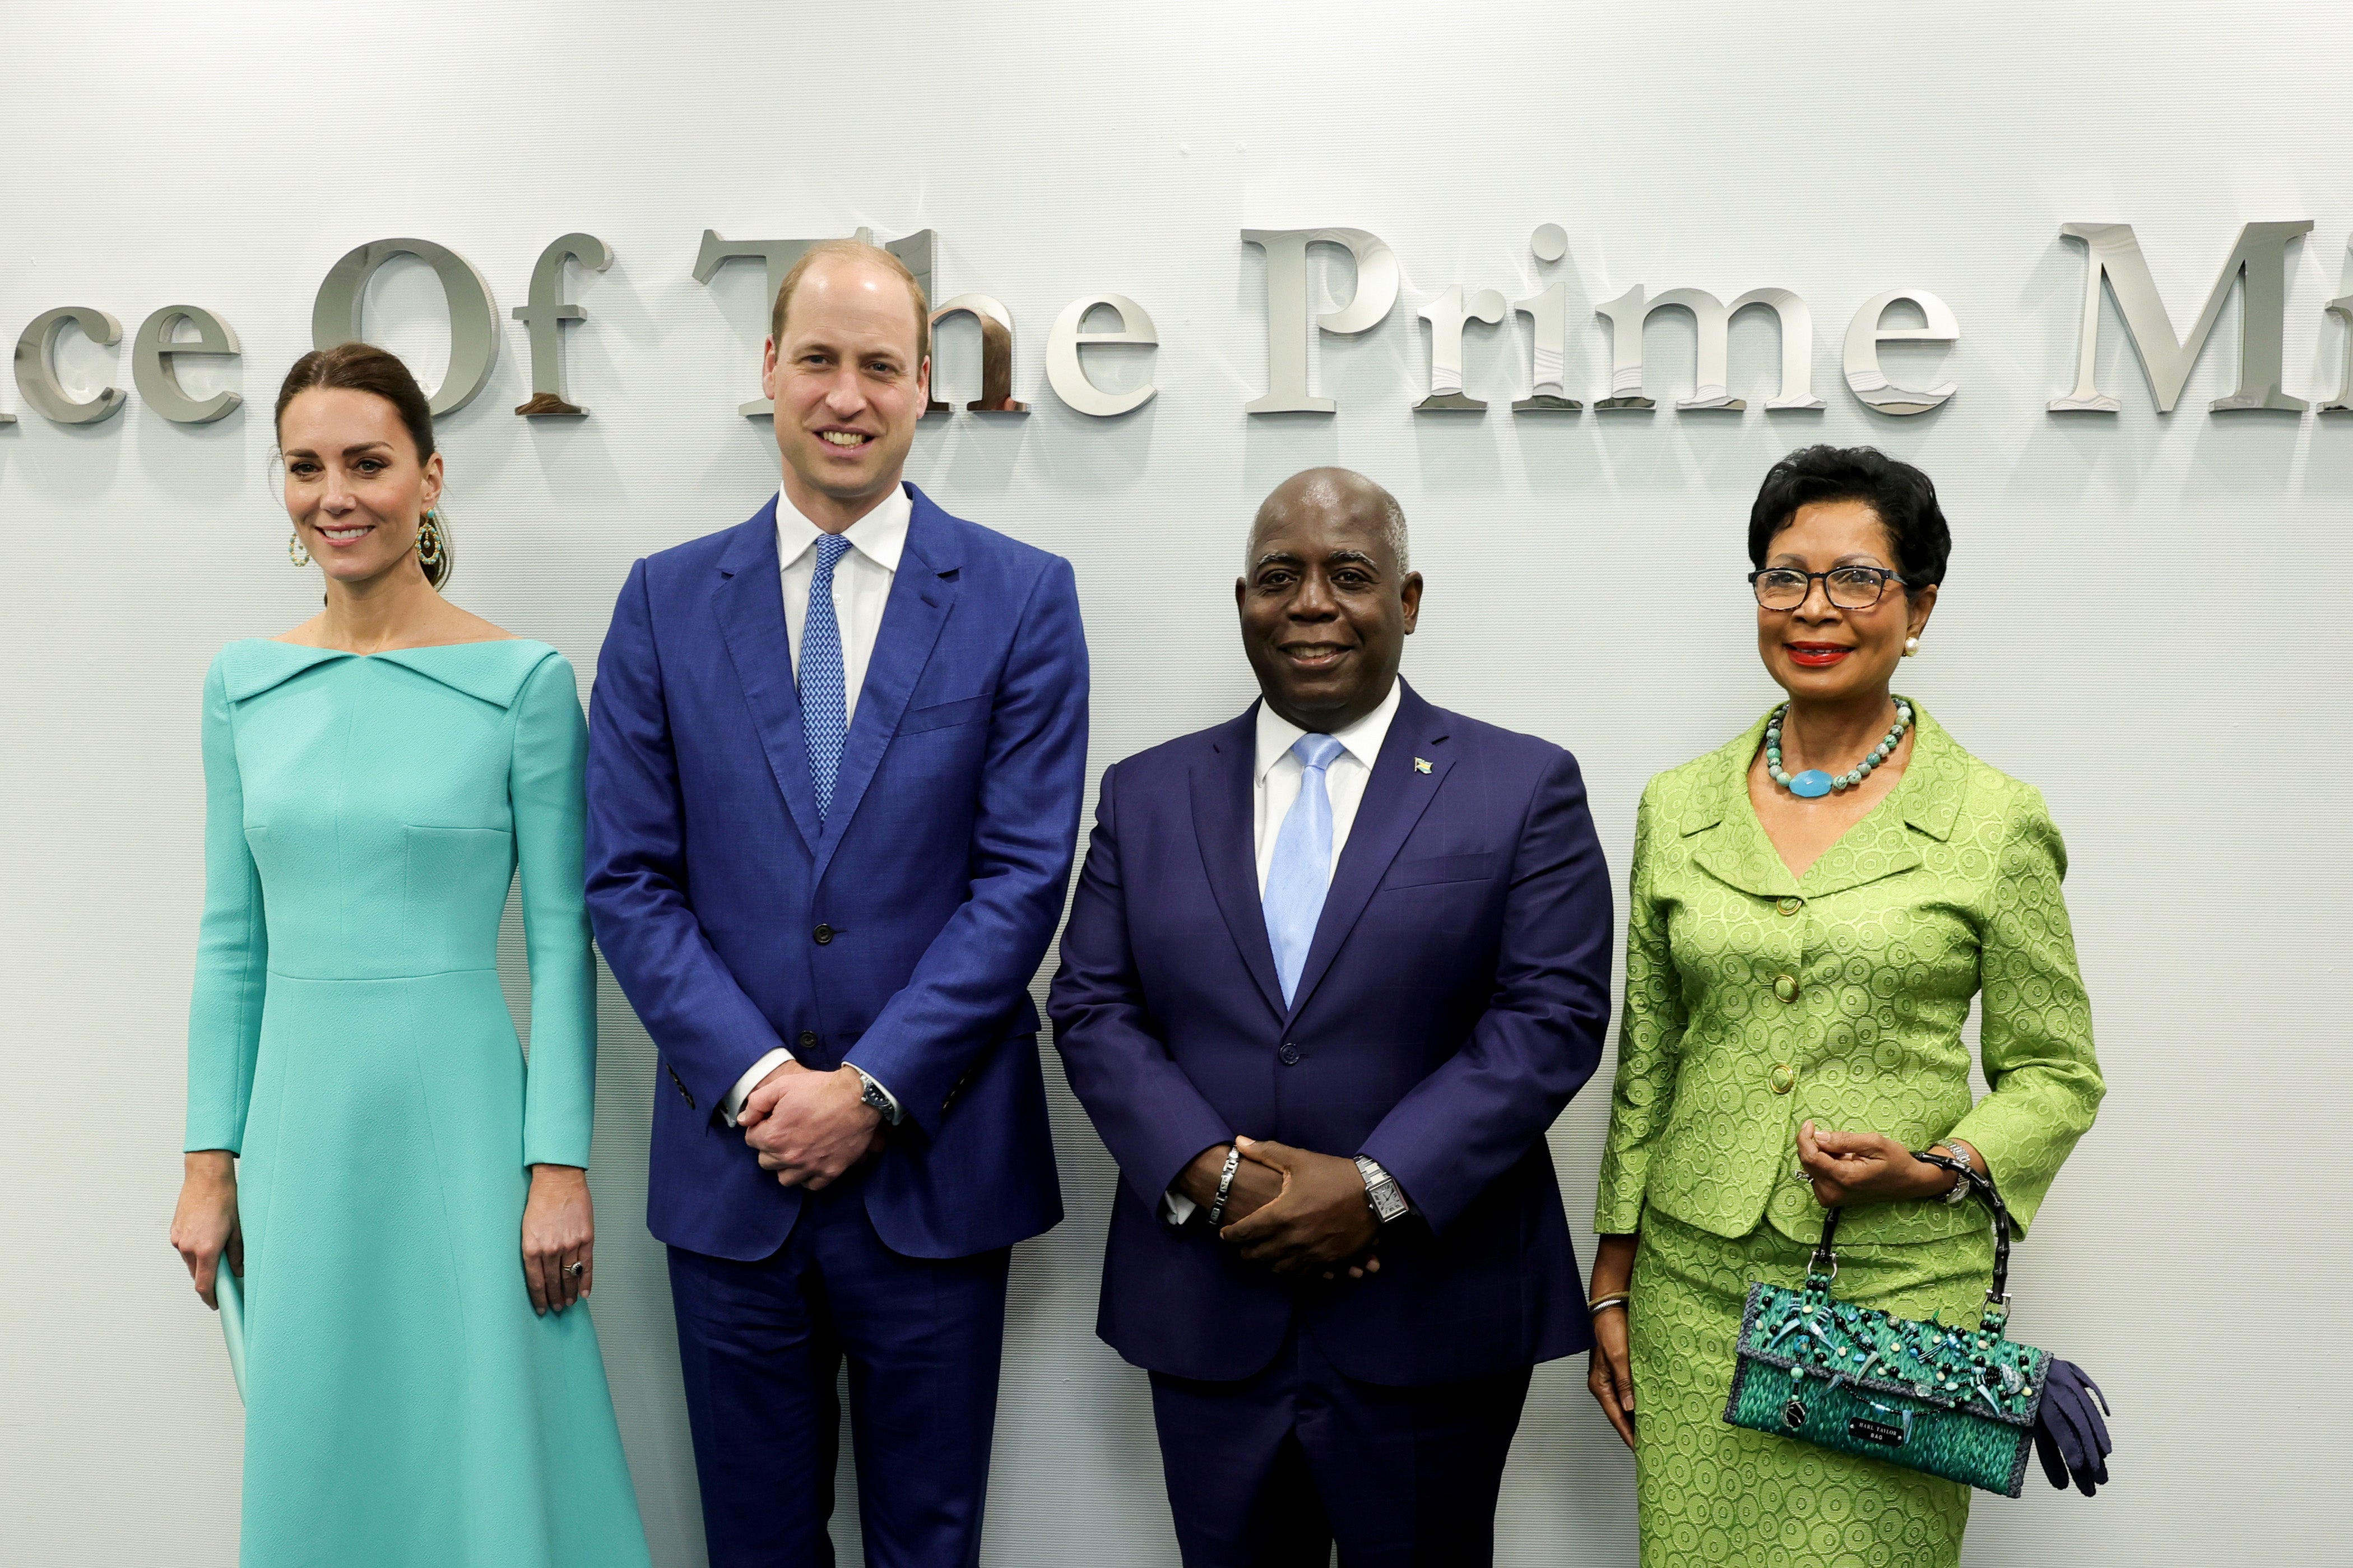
{"points": [[1814, 906], [404, 1199]]}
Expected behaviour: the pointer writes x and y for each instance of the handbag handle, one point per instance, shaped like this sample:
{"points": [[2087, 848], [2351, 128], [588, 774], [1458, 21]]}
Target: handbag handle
{"points": [[1823, 1268]]}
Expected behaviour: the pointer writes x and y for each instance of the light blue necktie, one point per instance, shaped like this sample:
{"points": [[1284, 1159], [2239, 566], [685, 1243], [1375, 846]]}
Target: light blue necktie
{"points": [[825, 700], [1300, 873]]}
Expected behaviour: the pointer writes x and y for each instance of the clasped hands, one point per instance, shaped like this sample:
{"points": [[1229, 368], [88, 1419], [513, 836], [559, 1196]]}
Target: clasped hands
{"points": [[1296, 1211], [1851, 1169], [810, 1126]]}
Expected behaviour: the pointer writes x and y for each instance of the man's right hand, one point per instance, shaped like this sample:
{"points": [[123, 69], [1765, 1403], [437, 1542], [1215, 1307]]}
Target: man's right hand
{"points": [[1255, 1186], [809, 1127]]}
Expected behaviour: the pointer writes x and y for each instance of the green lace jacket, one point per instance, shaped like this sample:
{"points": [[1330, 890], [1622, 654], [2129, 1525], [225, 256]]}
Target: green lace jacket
{"points": [[1756, 999]]}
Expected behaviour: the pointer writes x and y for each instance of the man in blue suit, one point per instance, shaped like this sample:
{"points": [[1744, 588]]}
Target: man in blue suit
{"points": [[835, 765], [1334, 968]]}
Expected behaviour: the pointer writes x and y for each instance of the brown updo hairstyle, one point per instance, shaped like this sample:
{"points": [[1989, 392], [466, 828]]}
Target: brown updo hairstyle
{"points": [[363, 367]]}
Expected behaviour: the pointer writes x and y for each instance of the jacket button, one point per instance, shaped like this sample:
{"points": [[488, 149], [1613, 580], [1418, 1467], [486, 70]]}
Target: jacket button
{"points": [[824, 934], [1791, 906], [1783, 1077], [1785, 987], [1290, 1054], [807, 1041]]}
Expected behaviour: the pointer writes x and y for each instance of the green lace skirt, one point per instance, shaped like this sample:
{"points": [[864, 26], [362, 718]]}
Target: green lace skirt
{"points": [[1715, 1496]]}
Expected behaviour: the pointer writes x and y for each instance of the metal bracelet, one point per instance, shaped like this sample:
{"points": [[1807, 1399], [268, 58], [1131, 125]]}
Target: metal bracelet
{"points": [[1595, 1308], [1225, 1185], [1963, 1185]]}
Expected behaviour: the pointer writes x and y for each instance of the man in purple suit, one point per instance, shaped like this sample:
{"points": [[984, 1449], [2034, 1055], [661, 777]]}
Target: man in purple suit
{"points": [[1334, 968], [835, 763]]}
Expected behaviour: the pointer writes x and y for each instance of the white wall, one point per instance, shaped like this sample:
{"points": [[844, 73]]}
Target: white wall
{"points": [[2143, 616]]}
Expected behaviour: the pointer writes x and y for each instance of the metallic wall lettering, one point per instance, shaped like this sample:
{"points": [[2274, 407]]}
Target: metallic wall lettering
{"points": [[995, 355], [1865, 335], [1066, 373], [1547, 314], [1713, 352], [915, 249], [1447, 315], [779, 255], [1299, 309], [2112, 251], [36, 365], [543, 319], [1288, 322], [152, 351], [2342, 309], [336, 314]]}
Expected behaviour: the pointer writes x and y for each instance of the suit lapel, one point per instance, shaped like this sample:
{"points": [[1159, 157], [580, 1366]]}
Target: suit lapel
{"points": [[1729, 843], [1882, 844], [923, 592], [1222, 822], [749, 604], [1396, 795]]}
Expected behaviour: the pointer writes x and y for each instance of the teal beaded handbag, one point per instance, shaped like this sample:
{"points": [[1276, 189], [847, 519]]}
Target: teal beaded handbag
{"points": [[1954, 1402]]}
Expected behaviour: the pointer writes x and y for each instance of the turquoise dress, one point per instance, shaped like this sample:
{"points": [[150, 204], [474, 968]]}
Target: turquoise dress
{"points": [[348, 1040]]}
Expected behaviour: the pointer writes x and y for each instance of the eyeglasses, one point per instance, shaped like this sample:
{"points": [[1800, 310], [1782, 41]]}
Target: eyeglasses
{"points": [[1849, 587]]}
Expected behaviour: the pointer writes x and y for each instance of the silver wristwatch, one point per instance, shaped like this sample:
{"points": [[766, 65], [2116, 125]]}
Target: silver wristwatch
{"points": [[873, 1094], [1962, 1186], [1381, 1191]]}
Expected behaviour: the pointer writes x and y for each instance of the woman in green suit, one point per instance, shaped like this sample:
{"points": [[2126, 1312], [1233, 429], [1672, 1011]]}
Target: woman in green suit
{"points": [[1813, 908], [407, 1204]]}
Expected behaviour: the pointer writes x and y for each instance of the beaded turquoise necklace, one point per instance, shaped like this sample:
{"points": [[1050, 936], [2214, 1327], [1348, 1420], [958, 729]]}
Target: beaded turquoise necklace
{"points": [[1814, 784]]}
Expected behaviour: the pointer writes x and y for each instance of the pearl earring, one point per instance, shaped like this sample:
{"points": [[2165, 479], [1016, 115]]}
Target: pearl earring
{"points": [[1911, 646]]}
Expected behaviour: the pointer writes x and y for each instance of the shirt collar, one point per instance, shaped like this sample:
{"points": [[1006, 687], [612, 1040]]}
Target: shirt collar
{"points": [[880, 535], [1361, 739]]}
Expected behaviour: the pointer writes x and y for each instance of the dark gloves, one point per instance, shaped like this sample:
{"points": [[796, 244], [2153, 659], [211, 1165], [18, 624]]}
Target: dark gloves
{"points": [[2070, 1438]]}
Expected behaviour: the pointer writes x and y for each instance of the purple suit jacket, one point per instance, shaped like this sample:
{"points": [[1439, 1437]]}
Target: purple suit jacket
{"points": [[900, 934], [1454, 998]]}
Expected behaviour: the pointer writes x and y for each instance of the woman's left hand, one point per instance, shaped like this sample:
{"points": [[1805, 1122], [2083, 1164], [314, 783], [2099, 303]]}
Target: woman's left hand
{"points": [[559, 1229], [1849, 1169]]}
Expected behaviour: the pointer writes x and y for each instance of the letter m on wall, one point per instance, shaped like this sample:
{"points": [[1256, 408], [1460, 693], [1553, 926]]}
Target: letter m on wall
{"points": [[2111, 251]]}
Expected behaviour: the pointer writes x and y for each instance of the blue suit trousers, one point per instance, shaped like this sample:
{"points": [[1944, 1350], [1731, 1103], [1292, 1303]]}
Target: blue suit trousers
{"points": [[1269, 1471], [761, 1346]]}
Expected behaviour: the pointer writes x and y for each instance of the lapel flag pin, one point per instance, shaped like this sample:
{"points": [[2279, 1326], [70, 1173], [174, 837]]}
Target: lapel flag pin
{"points": [[1422, 764]]}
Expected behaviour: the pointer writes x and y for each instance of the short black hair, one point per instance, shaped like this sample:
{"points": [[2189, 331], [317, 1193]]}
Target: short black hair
{"points": [[1904, 497]]}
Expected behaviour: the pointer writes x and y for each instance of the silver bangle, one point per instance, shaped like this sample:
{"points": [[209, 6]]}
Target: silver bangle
{"points": [[1225, 1184], [1595, 1308]]}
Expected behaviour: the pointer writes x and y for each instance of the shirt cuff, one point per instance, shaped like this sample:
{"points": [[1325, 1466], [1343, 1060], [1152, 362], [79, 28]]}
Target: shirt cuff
{"points": [[751, 1080], [1176, 1207]]}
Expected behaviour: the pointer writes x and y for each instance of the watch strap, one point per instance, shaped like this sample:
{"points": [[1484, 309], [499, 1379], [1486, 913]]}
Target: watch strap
{"points": [[1959, 1192]]}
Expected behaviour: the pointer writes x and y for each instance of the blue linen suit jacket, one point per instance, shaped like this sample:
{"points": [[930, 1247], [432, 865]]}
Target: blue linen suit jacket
{"points": [[902, 934], [1454, 997]]}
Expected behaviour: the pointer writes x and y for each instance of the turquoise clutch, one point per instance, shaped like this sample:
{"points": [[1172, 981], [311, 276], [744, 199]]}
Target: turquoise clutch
{"points": [[1956, 1402], [229, 1290]]}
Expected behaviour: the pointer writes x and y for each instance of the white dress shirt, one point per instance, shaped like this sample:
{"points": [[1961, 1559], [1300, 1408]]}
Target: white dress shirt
{"points": [[861, 587], [1275, 786], [1274, 790]]}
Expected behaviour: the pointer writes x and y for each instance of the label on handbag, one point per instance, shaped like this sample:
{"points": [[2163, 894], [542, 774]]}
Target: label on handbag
{"points": [[1879, 1432]]}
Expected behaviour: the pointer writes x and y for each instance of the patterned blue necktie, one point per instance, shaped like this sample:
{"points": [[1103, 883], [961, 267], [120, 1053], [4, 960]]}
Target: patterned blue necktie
{"points": [[1302, 872], [825, 700]]}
